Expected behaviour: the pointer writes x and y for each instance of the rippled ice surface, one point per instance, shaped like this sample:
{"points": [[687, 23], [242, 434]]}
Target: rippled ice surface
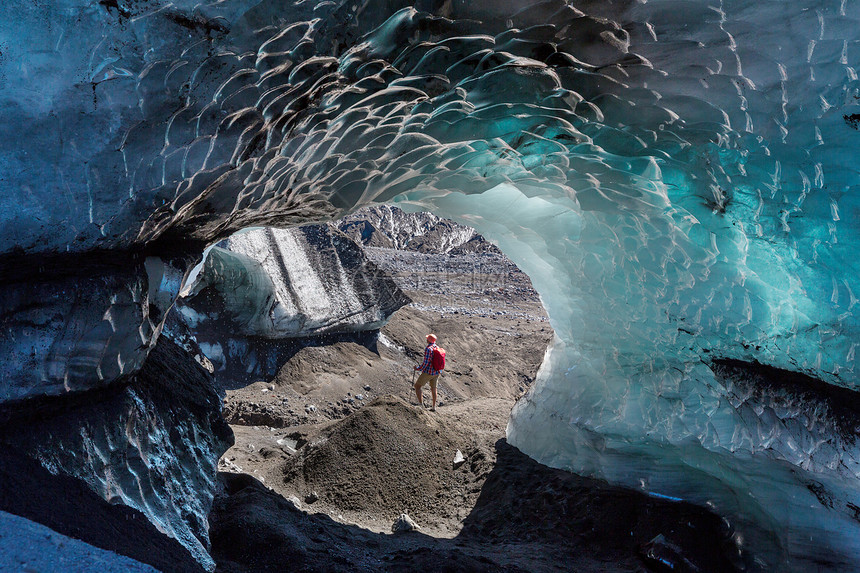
{"points": [[678, 178]]}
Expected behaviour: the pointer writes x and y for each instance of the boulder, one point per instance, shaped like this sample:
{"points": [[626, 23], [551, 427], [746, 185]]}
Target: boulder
{"points": [[403, 524]]}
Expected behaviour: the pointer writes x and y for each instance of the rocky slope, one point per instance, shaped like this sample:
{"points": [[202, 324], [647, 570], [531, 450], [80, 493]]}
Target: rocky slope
{"points": [[499, 511], [488, 317]]}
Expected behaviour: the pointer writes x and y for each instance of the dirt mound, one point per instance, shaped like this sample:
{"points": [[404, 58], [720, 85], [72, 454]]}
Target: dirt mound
{"points": [[528, 517], [318, 383], [386, 459]]}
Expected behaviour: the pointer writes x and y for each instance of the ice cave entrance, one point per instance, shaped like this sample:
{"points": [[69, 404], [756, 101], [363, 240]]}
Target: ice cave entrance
{"points": [[381, 277]]}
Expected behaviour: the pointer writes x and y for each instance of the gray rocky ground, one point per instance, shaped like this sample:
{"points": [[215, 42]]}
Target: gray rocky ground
{"points": [[333, 449]]}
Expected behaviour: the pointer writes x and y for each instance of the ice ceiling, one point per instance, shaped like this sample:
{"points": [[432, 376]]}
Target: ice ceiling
{"points": [[679, 178]]}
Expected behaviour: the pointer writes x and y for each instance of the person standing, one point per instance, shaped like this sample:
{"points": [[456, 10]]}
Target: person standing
{"points": [[428, 373]]}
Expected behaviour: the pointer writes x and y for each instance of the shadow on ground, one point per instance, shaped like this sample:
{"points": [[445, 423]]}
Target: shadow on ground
{"points": [[528, 517]]}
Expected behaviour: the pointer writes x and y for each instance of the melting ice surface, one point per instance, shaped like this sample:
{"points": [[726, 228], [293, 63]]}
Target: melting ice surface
{"points": [[678, 178], [264, 285]]}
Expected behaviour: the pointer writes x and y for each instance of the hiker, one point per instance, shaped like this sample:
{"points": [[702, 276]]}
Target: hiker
{"points": [[429, 369]]}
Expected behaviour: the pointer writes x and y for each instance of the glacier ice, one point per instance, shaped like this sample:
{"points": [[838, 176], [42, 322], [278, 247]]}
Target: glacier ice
{"points": [[279, 283], [76, 324], [264, 285], [34, 547], [677, 177], [151, 444]]}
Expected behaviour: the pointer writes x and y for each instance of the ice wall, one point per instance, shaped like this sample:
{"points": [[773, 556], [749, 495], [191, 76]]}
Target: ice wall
{"points": [[150, 444], [264, 285], [677, 177], [30, 546], [296, 282]]}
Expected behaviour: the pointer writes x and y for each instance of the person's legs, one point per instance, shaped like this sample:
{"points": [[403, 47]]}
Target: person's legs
{"points": [[419, 384], [433, 391]]}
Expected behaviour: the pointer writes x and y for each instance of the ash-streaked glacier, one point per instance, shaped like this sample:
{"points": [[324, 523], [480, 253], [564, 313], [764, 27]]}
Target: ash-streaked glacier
{"points": [[678, 178]]}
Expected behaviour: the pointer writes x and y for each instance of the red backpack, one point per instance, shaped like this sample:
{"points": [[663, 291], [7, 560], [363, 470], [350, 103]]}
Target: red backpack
{"points": [[437, 358]]}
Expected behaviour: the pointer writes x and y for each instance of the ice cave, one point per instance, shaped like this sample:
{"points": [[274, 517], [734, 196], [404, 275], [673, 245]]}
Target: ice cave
{"points": [[676, 177]]}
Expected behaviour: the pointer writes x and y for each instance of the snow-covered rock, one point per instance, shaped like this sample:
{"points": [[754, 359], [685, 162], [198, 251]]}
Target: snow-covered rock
{"points": [[459, 460], [387, 226], [403, 524]]}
